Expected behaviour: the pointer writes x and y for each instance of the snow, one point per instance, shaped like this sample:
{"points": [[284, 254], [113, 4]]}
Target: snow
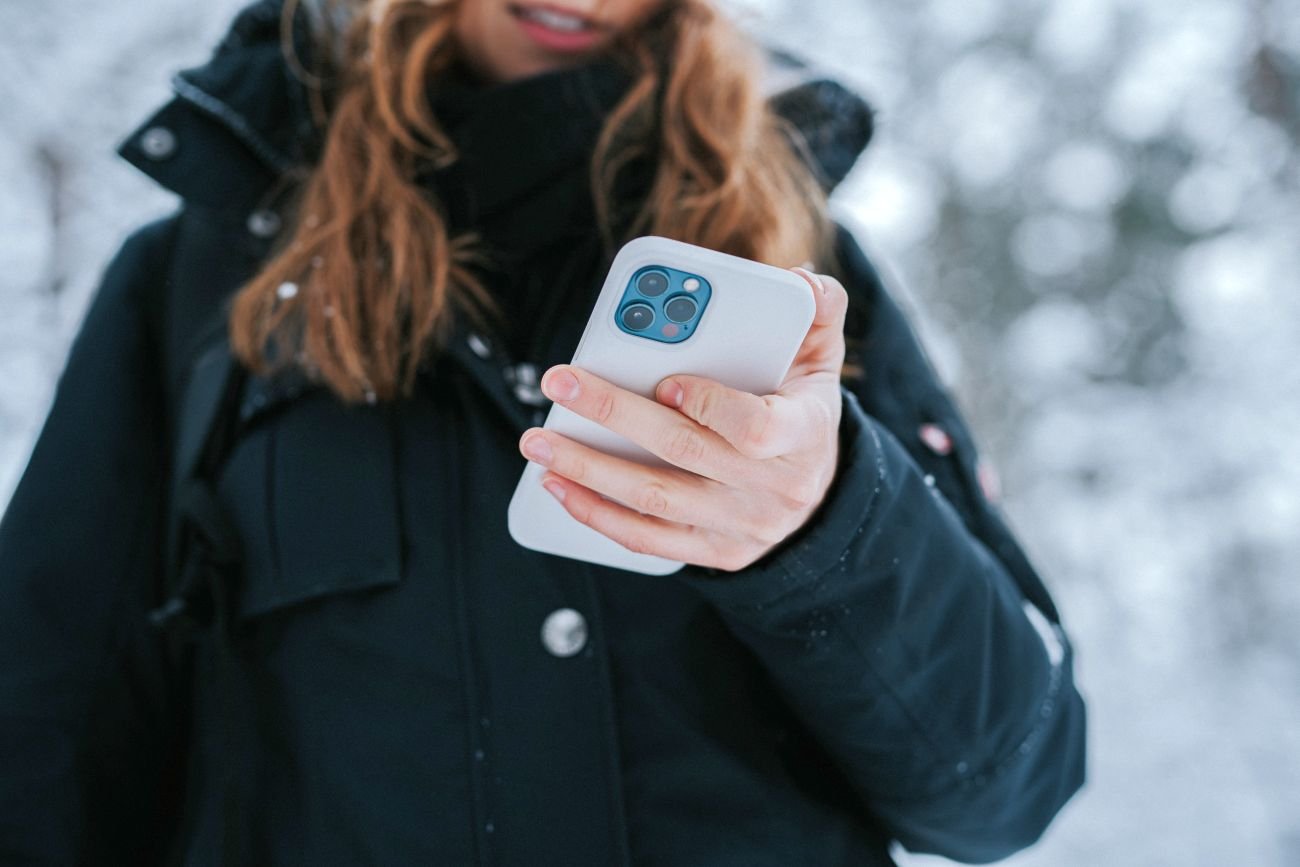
{"points": [[1091, 210], [75, 78]]}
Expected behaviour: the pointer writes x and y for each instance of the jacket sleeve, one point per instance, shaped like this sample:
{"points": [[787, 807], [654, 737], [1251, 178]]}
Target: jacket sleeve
{"points": [[904, 624], [82, 723]]}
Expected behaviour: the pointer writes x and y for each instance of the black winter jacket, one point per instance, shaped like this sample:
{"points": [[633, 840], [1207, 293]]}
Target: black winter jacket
{"points": [[382, 676]]}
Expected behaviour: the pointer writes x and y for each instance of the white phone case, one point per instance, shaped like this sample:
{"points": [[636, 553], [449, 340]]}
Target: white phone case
{"points": [[746, 338]]}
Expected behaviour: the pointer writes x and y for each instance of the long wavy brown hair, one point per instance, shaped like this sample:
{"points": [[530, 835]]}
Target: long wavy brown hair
{"points": [[369, 275]]}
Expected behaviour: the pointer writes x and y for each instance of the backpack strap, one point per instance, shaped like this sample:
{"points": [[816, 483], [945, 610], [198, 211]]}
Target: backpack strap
{"points": [[202, 545], [202, 549], [204, 383], [203, 565]]}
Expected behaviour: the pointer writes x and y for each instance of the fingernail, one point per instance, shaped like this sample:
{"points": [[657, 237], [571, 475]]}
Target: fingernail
{"points": [[560, 386], [816, 280], [671, 393], [554, 488], [536, 448]]}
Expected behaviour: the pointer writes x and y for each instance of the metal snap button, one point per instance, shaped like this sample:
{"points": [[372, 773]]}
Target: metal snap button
{"points": [[564, 632], [479, 346], [524, 378], [158, 142], [530, 395], [525, 373], [264, 223]]}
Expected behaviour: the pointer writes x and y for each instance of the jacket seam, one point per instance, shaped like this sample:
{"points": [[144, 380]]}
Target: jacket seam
{"points": [[219, 111], [614, 752], [475, 739]]}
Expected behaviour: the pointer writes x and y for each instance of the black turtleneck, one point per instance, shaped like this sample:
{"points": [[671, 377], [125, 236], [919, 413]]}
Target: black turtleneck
{"points": [[522, 185]]}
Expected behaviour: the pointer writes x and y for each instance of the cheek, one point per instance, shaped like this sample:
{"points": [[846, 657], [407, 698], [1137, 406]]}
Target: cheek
{"points": [[469, 26], [486, 32]]}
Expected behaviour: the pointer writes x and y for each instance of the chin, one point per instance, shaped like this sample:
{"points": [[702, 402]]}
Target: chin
{"points": [[522, 67]]}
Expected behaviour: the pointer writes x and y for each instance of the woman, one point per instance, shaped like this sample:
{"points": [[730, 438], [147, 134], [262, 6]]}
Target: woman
{"points": [[289, 427]]}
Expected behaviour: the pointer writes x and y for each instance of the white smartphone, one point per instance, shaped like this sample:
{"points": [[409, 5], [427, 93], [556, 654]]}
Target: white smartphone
{"points": [[666, 308]]}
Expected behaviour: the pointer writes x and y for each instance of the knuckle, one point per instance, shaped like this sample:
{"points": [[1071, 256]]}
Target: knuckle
{"points": [[603, 406], [767, 532], [803, 492], [756, 440], [735, 558], [705, 404], [581, 512], [685, 445], [636, 543], [755, 518], [574, 468], [777, 532], [769, 526], [652, 499]]}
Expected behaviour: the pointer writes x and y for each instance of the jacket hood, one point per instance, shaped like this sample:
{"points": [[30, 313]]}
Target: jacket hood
{"points": [[239, 130]]}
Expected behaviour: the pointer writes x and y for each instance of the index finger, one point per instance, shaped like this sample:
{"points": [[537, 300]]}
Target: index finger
{"points": [[658, 429]]}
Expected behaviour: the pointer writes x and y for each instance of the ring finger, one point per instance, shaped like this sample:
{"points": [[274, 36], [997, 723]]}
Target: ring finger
{"points": [[663, 492]]}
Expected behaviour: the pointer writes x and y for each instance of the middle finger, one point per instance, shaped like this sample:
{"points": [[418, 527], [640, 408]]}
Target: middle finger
{"points": [[662, 431], [668, 493]]}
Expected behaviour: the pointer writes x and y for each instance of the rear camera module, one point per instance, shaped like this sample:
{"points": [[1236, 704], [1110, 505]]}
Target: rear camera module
{"points": [[652, 284], [660, 303], [638, 317], [680, 309]]}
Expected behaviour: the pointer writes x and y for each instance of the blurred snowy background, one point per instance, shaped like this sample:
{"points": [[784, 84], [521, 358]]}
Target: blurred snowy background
{"points": [[1092, 208]]}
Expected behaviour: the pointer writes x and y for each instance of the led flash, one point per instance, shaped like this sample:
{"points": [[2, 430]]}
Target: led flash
{"points": [[690, 284]]}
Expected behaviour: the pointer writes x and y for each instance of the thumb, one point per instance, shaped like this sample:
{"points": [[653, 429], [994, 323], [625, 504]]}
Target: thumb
{"points": [[822, 350]]}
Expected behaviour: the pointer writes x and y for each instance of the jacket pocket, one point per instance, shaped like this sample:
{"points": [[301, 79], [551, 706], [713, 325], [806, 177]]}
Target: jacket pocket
{"points": [[313, 492]]}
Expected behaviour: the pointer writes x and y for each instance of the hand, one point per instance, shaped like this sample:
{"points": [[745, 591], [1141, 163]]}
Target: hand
{"points": [[746, 471]]}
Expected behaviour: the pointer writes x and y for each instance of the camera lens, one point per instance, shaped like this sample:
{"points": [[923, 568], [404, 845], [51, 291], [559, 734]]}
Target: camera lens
{"points": [[638, 317], [652, 283], [680, 309]]}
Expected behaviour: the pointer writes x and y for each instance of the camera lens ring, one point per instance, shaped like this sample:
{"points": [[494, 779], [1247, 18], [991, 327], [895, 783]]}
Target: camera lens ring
{"points": [[637, 316], [681, 309], [652, 284]]}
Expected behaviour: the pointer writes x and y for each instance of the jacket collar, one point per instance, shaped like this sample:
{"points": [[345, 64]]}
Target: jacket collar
{"points": [[513, 138], [238, 129]]}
